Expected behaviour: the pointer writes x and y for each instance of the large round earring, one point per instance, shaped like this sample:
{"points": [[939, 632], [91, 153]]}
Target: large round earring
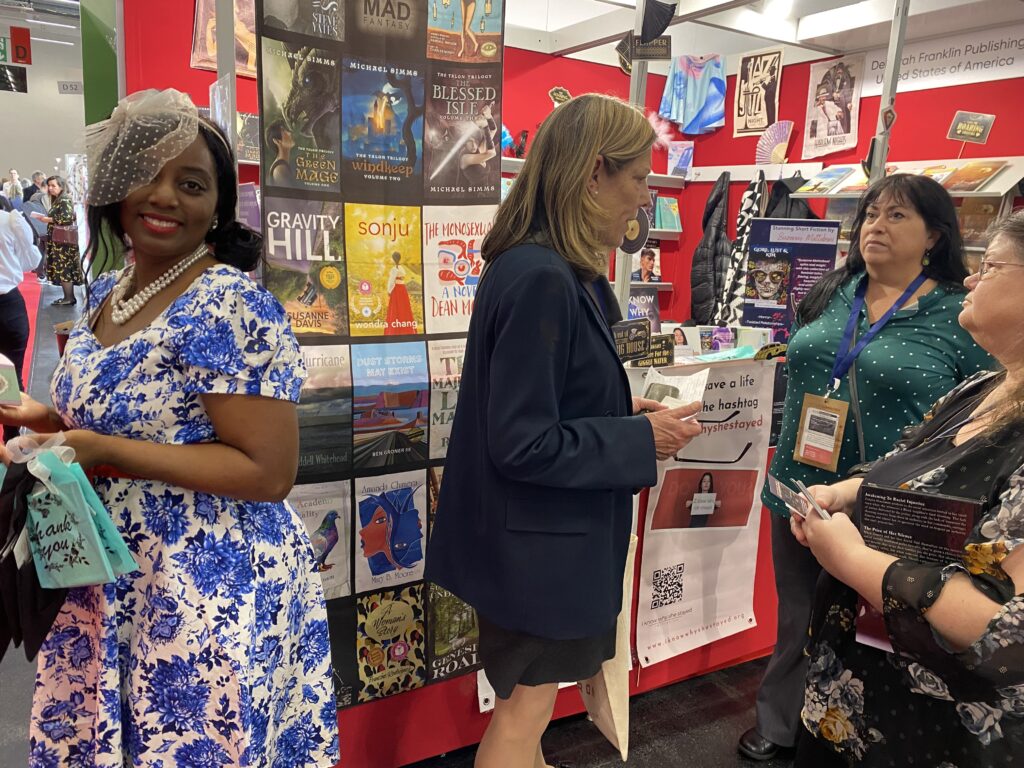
{"points": [[927, 258], [214, 223]]}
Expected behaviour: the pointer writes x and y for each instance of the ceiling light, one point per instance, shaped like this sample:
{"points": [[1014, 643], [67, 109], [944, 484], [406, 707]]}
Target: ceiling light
{"points": [[52, 24], [48, 40]]}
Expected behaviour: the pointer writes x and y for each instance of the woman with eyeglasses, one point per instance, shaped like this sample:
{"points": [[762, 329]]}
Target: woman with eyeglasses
{"points": [[956, 621], [874, 344]]}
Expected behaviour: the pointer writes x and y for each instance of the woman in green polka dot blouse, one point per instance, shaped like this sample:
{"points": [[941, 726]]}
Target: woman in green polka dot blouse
{"points": [[905, 225]]}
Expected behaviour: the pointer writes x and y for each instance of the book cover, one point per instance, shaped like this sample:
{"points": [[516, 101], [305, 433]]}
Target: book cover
{"points": [[855, 182], [301, 108], [680, 157], [326, 509], [323, 19], [391, 529], [668, 213], [466, 31], [826, 180], [325, 414], [341, 625], [385, 276], [647, 263], [451, 263], [204, 37], [453, 636], [651, 209], [304, 243], [972, 176], [382, 130], [462, 135], [390, 404], [445, 376], [506, 186], [390, 642], [843, 210], [434, 477], [643, 303], [938, 172], [976, 215], [392, 28]]}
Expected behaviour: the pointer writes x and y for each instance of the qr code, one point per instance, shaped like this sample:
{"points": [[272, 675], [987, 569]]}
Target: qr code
{"points": [[668, 586]]}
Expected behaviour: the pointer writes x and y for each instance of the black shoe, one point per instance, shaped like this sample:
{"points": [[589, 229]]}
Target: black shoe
{"points": [[64, 303], [755, 746]]}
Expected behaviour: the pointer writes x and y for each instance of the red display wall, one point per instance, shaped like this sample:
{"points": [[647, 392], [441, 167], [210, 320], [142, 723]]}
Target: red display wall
{"points": [[439, 718]]}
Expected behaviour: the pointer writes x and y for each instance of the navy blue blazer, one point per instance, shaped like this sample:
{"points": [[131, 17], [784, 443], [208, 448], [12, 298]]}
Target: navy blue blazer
{"points": [[534, 516]]}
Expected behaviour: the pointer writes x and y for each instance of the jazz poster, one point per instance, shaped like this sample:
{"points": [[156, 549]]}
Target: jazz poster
{"points": [[833, 106], [391, 530], [785, 258], [452, 237], [703, 518], [756, 101]]}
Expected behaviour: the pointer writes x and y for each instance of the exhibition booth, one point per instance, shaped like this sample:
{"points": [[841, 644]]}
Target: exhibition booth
{"points": [[416, 693]]}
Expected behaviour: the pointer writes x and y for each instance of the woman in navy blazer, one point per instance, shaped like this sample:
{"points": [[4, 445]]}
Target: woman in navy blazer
{"points": [[535, 510]]}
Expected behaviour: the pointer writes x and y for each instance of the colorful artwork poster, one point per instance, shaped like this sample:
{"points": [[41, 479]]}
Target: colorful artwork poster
{"points": [[385, 280], [326, 509], [341, 625], [395, 27], [445, 376], [390, 642], [325, 414], [756, 101], [390, 403], [304, 243], [204, 37], [322, 19], [453, 636], [466, 31], [391, 530], [301, 109], [382, 130], [462, 143], [451, 263], [833, 106]]}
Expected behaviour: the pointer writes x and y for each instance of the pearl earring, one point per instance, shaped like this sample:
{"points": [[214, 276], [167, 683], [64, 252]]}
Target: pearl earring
{"points": [[214, 223]]}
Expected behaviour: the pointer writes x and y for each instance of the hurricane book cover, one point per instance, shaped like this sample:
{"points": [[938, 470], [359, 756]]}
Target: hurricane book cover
{"points": [[325, 414]]}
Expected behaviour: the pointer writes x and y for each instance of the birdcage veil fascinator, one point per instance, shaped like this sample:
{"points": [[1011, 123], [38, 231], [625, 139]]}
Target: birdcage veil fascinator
{"points": [[127, 151]]}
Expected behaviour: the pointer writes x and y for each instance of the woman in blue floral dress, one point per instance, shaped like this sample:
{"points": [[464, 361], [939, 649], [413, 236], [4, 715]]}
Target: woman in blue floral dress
{"points": [[178, 389]]}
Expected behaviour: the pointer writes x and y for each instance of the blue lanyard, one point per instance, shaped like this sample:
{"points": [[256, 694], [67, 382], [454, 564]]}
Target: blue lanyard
{"points": [[845, 356]]}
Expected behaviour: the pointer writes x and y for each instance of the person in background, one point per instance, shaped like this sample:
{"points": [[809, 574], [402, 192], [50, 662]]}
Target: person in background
{"points": [[38, 185], [63, 260], [879, 335], [534, 516], [18, 255], [12, 187], [177, 391], [956, 678]]}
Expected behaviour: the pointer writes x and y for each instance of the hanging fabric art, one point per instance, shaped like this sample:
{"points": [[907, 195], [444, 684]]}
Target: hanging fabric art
{"points": [[694, 97]]}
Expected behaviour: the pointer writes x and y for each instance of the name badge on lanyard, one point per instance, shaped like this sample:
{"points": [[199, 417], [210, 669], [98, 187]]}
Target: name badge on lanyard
{"points": [[822, 423]]}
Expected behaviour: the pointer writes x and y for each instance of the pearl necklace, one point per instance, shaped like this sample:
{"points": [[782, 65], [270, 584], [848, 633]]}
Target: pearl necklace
{"points": [[122, 310]]}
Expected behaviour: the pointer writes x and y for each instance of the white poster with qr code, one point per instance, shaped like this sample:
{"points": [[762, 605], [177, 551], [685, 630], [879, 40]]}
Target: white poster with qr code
{"points": [[703, 518]]}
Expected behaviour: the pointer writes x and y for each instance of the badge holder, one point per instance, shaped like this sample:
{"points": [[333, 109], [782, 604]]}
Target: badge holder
{"points": [[819, 437]]}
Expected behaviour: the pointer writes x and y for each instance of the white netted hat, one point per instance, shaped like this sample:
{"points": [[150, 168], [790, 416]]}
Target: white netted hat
{"points": [[128, 150]]}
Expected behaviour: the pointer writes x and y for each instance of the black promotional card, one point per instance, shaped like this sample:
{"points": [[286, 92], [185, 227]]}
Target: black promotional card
{"points": [[322, 19]]}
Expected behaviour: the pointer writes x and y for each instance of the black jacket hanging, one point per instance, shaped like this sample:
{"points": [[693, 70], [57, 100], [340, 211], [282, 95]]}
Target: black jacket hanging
{"points": [[711, 257], [781, 204]]}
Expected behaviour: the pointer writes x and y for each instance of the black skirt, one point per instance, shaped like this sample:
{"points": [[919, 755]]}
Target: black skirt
{"points": [[514, 658]]}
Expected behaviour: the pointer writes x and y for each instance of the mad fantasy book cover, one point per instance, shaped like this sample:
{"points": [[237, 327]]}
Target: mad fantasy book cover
{"points": [[390, 404], [462, 135], [305, 248], [451, 263], [445, 376], [382, 130], [326, 509], [391, 29], [385, 276], [323, 19], [467, 31], [325, 414], [301, 108], [391, 530], [390, 642]]}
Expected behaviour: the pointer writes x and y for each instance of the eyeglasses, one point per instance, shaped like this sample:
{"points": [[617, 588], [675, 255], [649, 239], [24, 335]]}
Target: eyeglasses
{"points": [[987, 264]]}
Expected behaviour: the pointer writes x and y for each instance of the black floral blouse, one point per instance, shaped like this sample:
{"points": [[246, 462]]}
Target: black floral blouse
{"points": [[926, 704]]}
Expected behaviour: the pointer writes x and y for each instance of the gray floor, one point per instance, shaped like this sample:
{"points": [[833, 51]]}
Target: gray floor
{"points": [[693, 724]]}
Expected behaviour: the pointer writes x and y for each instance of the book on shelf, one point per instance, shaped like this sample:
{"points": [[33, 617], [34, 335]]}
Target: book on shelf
{"points": [[976, 215], [651, 208], [680, 158], [824, 181], [647, 263], [843, 210], [972, 176], [667, 214]]}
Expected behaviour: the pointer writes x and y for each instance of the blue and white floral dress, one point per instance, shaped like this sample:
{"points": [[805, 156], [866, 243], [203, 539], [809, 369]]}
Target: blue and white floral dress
{"points": [[215, 652]]}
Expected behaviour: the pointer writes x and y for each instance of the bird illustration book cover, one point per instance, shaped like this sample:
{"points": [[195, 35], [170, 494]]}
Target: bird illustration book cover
{"points": [[322, 19], [385, 269], [382, 130], [390, 405], [451, 263], [445, 376], [467, 31], [301, 108], [326, 509], [462, 135], [391, 526], [325, 414], [453, 635], [390, 642], [304, 244]]}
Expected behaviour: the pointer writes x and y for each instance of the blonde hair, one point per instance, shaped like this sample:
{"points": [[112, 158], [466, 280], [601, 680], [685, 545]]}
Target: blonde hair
{"points": [[548, 201]]}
